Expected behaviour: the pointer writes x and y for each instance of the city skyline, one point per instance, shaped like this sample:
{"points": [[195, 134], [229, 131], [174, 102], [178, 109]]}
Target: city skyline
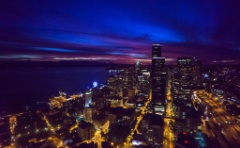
{"points": [[119, 31]]}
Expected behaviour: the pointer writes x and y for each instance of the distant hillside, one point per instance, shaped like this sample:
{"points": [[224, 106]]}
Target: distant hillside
{"points": [[9, 64]]}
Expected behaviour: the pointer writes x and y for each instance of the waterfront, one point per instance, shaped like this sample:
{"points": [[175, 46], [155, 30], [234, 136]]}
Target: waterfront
{"points": [[21, 87]]}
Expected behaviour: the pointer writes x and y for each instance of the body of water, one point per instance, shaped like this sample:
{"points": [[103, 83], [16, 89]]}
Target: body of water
{"points": [[22, 87]]}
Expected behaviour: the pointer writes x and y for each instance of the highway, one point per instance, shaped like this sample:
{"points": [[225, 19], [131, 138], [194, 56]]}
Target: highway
{"points": [[218, 122]]}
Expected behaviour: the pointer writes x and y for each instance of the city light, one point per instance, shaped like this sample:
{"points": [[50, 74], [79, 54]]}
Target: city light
{"points": [[95, 84], [141, 105]]}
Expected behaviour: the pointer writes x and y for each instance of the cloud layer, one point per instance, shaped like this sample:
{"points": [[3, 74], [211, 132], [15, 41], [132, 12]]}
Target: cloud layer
{"points": [[120, 30]]}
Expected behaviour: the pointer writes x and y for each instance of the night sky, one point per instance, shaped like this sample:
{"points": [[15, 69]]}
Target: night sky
{"points": [[119, 31]]}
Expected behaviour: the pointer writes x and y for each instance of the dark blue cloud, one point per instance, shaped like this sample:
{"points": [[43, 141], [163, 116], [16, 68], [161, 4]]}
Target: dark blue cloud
{"points": [[208, 30], [54, 49]]}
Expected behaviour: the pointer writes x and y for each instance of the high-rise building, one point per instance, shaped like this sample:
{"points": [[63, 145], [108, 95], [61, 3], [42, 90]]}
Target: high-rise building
{"points": [[128, 77], [185, 67], [152, 126], [137, 72], [88, 98], [158, 75], [197, 73], [113, 84], [128, 82], [88, 114], [86, 130], [156, 50]]}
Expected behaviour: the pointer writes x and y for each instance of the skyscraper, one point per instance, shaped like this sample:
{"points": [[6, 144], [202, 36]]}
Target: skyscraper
{"points": [[128, 82], [185, 66], [158, 75], [88, 98], [197, 73], [156, 50], [88, 114], [137, 72]]}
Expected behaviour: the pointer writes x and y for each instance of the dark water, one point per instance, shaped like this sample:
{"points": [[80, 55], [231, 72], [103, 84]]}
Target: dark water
{"points": [[25, 86]]}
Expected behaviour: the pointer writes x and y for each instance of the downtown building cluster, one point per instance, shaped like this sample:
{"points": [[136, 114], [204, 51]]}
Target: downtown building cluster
{"points": [[138, 106]]}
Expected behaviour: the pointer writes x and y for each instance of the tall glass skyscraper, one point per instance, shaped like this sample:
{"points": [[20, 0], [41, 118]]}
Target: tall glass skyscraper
{"points": [[159, 77]]}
